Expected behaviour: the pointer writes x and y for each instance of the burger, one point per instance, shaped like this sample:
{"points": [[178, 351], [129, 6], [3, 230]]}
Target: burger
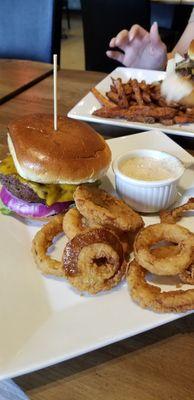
{"points": [[45, 166], [179, 85]]}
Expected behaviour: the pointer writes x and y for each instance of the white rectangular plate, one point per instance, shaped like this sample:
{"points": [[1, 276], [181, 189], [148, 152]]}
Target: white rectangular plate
{"points": [[84, 109], [43, 320]]}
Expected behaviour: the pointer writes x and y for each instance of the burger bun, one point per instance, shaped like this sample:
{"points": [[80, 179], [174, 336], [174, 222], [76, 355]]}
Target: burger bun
{"points": [[73, 154]]}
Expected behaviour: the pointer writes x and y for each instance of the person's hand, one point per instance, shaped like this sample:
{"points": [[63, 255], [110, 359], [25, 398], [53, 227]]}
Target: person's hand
{"points": [[140, 49]]}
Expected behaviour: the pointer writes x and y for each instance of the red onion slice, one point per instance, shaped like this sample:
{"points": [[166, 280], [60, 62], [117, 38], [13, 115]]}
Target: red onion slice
{"points": [[34, 210]]}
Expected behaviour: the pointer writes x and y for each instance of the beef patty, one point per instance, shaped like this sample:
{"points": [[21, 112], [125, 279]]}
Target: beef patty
{"points": [[19, 189]]}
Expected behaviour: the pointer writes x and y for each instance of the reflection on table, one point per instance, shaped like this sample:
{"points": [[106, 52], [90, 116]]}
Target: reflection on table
{"points": [[18, 75]]}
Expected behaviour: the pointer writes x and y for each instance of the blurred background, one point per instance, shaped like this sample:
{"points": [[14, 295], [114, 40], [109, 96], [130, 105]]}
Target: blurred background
{"points": [[92, 23], [80, 30]]}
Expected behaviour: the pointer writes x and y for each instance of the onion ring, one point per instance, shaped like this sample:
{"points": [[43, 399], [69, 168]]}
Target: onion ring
{"points": [[74, 224], [149, 296], [165, 251], [40, 244], [94, 261], [187, 276], [100, 208], [172, 233], [172, 216]]}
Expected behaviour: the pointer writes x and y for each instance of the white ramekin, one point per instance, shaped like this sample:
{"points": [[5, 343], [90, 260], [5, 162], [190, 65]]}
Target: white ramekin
{"points": [[148, 196]]}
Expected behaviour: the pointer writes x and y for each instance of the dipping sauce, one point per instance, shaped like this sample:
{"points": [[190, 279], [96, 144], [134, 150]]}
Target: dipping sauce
{"points": [[146, 169]]}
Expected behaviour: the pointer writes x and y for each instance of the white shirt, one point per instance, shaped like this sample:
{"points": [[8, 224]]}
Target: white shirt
{"points": [[191, 19]]}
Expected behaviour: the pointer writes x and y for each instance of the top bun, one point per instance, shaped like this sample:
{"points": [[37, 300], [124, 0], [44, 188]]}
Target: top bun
{"points": [[191, 50], [75, 153]]}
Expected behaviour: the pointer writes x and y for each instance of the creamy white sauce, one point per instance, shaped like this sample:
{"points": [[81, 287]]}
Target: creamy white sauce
{"points": [[146, 168]]}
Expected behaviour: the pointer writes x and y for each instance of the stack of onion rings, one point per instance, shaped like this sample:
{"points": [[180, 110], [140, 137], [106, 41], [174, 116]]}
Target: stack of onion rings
{"points": [[94, 261], [95, 209], [101, 208], [165, 260], [99, 216], [74, 224], [94, 258]]}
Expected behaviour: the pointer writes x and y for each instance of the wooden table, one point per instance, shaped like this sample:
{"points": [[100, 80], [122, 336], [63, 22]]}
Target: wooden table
{"points": [[18, 75], [155, 365], [72, 86]]}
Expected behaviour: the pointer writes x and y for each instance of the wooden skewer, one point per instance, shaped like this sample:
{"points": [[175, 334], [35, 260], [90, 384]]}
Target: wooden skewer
{"points": [[55, 89]]}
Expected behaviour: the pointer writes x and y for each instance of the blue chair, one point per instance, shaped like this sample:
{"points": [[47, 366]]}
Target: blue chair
{"points": [[30, 29]]}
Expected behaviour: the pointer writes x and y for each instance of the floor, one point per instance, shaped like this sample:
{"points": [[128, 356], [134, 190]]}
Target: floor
{"points": [[72, 45]]}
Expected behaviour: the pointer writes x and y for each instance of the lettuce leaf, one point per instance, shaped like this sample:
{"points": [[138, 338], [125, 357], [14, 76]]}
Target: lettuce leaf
{"points": [[4, 210]]}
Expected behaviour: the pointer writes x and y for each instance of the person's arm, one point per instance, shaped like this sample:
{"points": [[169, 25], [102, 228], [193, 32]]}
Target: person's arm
{"points": [[139, 48], [183, 43], [143, 49]]}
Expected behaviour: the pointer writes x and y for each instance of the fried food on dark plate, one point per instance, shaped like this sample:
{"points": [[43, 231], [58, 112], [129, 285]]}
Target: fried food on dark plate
{"points": [[156, 233], [94, 261], [101, 208], [152, 297]]}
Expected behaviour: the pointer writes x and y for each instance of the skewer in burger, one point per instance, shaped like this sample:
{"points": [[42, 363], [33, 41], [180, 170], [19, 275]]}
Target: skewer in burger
{"points": [[179, 85], [45, 166]]}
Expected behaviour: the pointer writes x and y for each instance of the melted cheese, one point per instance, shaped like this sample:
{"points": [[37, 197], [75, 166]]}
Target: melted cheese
{"points": [[49, 192]]}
